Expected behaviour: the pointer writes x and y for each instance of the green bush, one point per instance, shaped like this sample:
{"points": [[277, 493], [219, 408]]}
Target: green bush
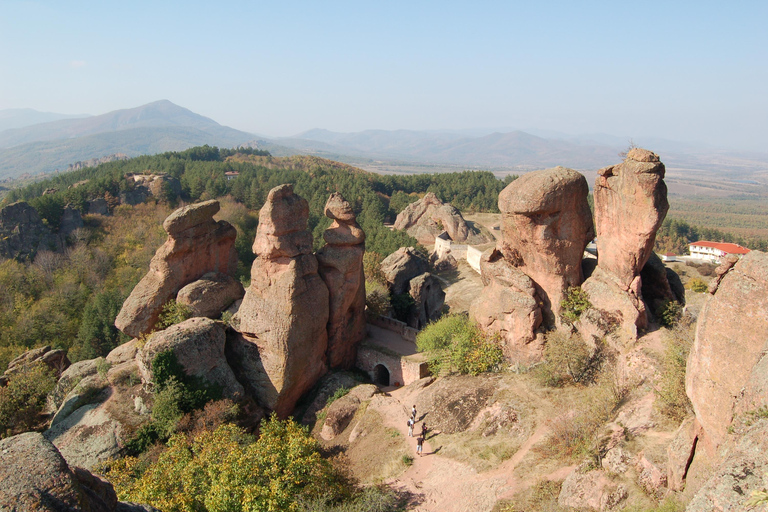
{"points": [[402, 305], [567, 358], [697, 285], [672, 399], [173, 313], [669, 312], [23, 399], [376, 299], [454, 343], [574, 304], [340, 392]]}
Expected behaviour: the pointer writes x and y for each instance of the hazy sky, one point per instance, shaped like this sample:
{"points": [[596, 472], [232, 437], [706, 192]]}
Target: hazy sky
{"points": [[682, 70]]}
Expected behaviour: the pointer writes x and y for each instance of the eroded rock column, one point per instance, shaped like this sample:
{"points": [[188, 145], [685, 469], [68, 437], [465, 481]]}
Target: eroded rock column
{"points": [[282, 320], [341, 267]]}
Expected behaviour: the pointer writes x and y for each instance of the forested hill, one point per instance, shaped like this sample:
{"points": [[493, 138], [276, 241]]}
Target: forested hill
{"points": [[70, 299]]}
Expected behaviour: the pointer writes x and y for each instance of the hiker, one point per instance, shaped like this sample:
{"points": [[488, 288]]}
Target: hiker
{"points": [[419, 444], [413, 412], [410, 427], [424, 430]]}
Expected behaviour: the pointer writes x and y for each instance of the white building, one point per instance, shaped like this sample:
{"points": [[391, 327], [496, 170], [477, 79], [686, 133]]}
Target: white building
{"points": [[715, 251]]}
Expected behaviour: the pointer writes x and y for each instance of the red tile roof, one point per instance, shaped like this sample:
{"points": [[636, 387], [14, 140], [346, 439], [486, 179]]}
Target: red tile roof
{"points": [[723, 246]]}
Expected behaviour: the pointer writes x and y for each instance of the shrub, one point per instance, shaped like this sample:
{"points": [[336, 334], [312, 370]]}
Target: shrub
{"points": [[706, 269], [567, 358], [376, 299], [226, 469], [673, 401], [340, 392], [697, 285], [23, 399], [574, 304], [372, 267], [455, 343], [402, 305], [173, 313], [669, 312]]}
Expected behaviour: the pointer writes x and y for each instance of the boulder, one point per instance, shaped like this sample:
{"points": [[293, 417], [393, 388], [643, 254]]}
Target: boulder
{"points": [[680, 453], [660, 285], [342, 410], [546, 225], [401, 266], [123, 353], [98, 206], [429, 299], [341, 268], [508, 305], [56, 360], [726, 370], [34, 477], [198, 344], [87, 389], [196, 245], [743, 471], [609, 299], [70, 378], [651, 477], [590, 490], [22, 232], [428, 217], [284, 315], [211, 294]]}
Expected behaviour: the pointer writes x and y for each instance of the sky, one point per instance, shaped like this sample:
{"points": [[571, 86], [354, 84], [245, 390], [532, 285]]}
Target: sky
{"points": [[687, 71]]}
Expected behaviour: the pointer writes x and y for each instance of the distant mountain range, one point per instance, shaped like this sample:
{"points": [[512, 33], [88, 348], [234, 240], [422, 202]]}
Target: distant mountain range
{"points": [[40, 142], [152, 128]]}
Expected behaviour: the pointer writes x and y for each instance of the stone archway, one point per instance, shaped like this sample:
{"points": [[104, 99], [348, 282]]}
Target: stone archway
{"points": [[381, 375]]}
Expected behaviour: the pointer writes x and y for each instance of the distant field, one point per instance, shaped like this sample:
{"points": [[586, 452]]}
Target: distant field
{"points": [[743, 217]]}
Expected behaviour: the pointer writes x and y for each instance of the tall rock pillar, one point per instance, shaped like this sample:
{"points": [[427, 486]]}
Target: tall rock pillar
{"points": [[283, 317], [341, 267]]}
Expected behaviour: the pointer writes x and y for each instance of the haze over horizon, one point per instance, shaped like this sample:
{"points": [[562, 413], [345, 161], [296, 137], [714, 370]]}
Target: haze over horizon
{"points": [[686, 72]]}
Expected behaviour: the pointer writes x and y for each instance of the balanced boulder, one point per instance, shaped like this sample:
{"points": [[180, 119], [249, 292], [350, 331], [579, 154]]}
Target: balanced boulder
{"points": [[284, 315], [196, 245], [211, 294], [341, 268]]}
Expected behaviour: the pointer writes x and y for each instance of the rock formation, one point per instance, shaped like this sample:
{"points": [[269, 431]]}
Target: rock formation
{"points": [[71, 220], [34, 477], [727, 371], [284, 314], [198, 344], [341, 267], [22, 232], [429, 299], [546, 224], [196, 245], [211, 294], [401, 266], [508, 306], [56, 360], [630, 205], [428, 217]]}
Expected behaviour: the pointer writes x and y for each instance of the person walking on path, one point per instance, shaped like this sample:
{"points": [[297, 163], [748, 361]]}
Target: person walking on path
{"points": [[419, 445], [413, 413], [410, 427], [424, 430]]}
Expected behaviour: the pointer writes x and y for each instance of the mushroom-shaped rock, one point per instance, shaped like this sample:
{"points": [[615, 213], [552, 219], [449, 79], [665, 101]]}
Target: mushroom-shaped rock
{"points": [[546, 224], [341, 268], [196, 245], [284, 314]]}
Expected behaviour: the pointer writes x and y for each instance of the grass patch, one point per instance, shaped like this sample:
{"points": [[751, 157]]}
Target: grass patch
{"points": [[672, 400], [482, 453], [540, 497]]}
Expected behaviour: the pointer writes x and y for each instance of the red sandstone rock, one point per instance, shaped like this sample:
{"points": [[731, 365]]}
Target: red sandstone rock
{"points": [[196, 245], [284, 314], [630, 205], [428, 217], [341, 268], [546, 224], [429, 299], [401, 266], [211, 294], [508, 305], [727, 365]]}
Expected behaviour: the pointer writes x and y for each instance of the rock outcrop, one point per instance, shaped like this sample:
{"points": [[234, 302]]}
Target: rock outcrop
{"points": [[211, 294], [428, 217], [546, 225], [508, 305], [401, 266], [22, 232], [196, 245], [727, 370], [341, 268], [630, 205], [198, 344], [429, 299], [56, 360], [71, 220], [34, 477], [284, 314]]}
